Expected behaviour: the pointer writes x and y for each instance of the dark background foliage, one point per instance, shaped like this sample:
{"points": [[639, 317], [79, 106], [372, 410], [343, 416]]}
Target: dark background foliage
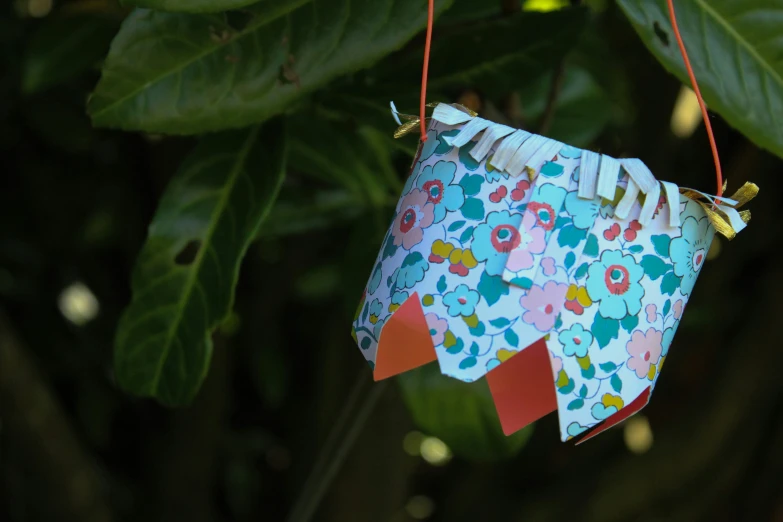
{"points": [[276, 418]]}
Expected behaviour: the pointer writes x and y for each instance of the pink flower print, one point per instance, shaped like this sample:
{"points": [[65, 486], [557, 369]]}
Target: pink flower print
{"points": [[548, 265], [416, 214], [556, 363], [652, 312], [678, 308], [645, 350], [438, 328], [543, 304], [531, 241]]}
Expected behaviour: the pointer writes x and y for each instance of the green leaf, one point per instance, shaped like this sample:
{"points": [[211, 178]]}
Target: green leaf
{"points": [[629, 322], [581, 271], [661, 244], [492, 288], [64, 47], [190, 6], [589, 372], [471, 184], [582, 111], [293, 214], [457, 347], [511, 337], [180, 73], [441, 285], [460, 414], [473, 208], [183, 281], [468, 362], [570, 259], [670, 283], [583, 391], [466, 234], [478, 330], [654, 266], [486, 51], [456, 226], [608, 366], [576, 404], [605, 330], [636, 249], [617, 383], [358, 160], [735, 54], [591, 247], [667, 306], [500, 322]]}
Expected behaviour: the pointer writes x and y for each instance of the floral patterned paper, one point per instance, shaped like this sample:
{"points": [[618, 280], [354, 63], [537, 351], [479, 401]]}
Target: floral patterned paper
{"points": [[500, 262]]}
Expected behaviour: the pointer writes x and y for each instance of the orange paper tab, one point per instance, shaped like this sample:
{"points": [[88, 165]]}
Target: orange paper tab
{"points": [[405, 342], [523, 388]]}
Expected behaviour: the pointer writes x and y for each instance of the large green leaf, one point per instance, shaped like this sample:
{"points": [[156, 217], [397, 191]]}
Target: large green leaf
{"points": [[582, 109], [183, 282], [358, 159], [190, 6], [497, 55], [461, 414], [64, 47], [736, 52], [185, 74]]}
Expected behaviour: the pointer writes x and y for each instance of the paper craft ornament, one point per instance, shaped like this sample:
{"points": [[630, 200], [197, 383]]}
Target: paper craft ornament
{"points": [[560, 274]]}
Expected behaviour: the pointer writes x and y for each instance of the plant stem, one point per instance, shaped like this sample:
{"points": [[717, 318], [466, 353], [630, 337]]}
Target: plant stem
{"points": [[551, 102], [340, 441]]}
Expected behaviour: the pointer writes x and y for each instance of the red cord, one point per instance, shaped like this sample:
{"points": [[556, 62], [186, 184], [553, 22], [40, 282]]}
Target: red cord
{"points": [[702, 106], [427, 45]]}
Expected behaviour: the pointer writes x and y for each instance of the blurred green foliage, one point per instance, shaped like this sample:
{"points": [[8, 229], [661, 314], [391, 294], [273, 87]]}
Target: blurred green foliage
{"points": [[211, 258]]}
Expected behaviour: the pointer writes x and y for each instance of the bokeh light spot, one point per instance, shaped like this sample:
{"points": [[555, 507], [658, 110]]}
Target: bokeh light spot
{"points": [[78, 304]]}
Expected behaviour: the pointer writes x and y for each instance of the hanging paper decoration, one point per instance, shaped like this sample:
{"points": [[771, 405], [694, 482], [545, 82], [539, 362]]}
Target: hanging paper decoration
{"points": [[559, 273]]}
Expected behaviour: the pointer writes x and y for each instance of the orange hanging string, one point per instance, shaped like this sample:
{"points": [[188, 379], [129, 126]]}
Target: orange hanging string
{"points": [[702, 106], [425, 71]]}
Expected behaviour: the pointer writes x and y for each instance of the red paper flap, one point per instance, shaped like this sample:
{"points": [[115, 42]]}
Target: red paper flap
{"points": [[523, 388], [405, 342]]}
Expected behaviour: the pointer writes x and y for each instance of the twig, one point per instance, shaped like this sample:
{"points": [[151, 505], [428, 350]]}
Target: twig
{"points": [[551, 102], [337, 446], [38, 428]]}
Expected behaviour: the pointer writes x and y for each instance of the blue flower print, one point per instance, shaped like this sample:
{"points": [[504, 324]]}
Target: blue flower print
{"points": [[601, 412], [411, 271], [376, 309], [462, 301], [375, 280], [494, 239], [576, 341], [689, 251], [570, 152], [494, 174], [436, 182], [399, 297], [613, 281], [668, 337], [428, 147], [584, 211], [409, 182], [545, 203], [575, 429]]}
